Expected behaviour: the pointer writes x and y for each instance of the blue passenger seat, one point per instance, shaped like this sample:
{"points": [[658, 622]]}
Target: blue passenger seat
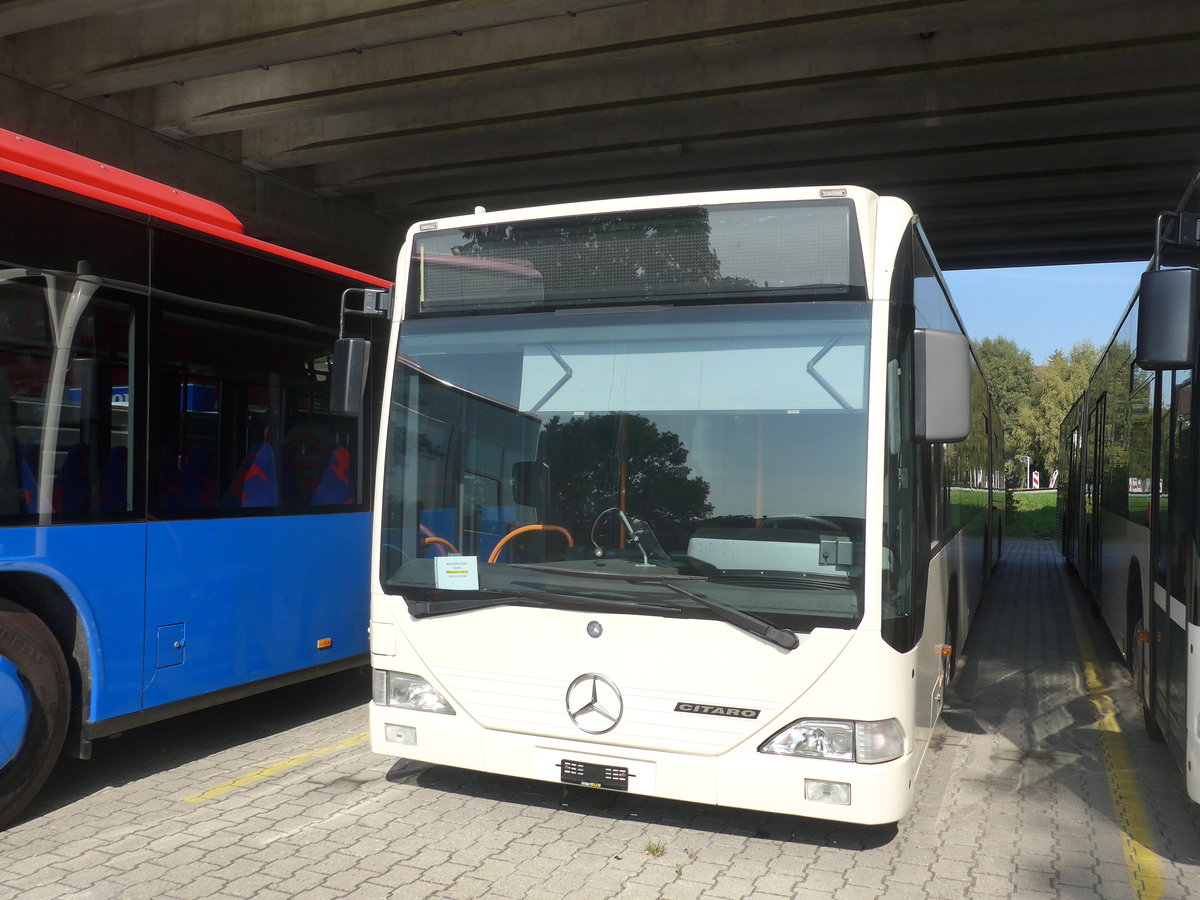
{"points": [[254, 485], [336, 487]]}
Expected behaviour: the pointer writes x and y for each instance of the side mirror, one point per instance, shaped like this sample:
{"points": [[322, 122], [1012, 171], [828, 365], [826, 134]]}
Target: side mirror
{"points": [[1166, 326], [943, 386], [531, 483], [348, 380]]}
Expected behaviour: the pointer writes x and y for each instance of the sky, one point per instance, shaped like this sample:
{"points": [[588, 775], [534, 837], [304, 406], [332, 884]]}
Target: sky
{"points": [[1045, 308]]}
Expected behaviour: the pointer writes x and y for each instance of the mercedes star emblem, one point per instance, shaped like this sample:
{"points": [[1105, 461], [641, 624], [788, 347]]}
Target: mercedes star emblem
{"points": [[594, 703]]}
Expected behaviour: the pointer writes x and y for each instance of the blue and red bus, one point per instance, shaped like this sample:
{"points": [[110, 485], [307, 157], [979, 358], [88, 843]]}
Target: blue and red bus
{"points": [[183, 520]]}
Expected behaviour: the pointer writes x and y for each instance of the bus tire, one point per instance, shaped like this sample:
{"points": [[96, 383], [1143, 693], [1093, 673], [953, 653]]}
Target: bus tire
{"points": [[1137, 661], [27, 643], [1152, 730]]}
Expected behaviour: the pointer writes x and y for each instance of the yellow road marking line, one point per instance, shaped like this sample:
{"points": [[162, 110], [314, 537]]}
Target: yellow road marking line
{"points": [[1136, 836], [276, 768]]}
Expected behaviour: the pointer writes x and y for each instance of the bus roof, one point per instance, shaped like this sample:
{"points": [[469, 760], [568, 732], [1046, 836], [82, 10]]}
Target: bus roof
{"points": [[46, 164], [480, 217]]}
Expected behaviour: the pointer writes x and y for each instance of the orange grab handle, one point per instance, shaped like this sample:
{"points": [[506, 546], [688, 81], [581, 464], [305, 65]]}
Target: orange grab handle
{"points": [[426, 541], [512, 534]]}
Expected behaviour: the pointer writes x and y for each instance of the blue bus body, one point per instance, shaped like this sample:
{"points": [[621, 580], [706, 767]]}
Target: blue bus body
{"points": [[238, 617], [183, 519]]}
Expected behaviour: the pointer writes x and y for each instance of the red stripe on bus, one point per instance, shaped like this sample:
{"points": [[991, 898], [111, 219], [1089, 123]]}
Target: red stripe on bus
{"points": [[41, 159], [46, 164]]}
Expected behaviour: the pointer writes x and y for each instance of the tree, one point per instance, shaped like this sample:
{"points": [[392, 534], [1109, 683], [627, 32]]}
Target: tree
{"points": [[1010, 374], [591, 456], [1063, 379], [1016, 390], [1034, 400]]}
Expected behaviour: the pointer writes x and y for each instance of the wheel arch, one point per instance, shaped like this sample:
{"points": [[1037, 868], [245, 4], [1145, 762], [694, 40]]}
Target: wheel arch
{"points": [[952, 628], [57, 603], [1135, 581]]}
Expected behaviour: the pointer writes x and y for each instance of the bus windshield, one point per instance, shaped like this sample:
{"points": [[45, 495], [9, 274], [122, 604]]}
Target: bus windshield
{"points": [[577, 457]]}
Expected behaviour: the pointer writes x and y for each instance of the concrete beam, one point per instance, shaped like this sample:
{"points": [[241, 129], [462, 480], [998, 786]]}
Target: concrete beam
{"points": [[398, 137], [1104, 158], [17, 16], [1020, 196], [125, 52], [998, 111], [1018, 111], [562, 67], [835, 149], [672, 96], [269, 207]]}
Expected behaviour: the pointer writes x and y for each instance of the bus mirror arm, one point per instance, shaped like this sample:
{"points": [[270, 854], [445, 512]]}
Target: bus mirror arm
{"points": [[375, 303], [942, 372], [351, 356]]}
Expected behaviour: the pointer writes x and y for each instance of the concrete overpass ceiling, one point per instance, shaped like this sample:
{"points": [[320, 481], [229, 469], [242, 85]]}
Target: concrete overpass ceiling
{"points": [[1023, 131]]}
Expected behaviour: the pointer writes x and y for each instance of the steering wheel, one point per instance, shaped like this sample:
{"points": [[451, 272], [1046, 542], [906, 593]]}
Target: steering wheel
{"points": [[495, 555]]}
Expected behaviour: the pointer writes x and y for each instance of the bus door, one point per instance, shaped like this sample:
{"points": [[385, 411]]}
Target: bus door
{"points": [[1073, 458], [996, 476], [1093, 543], [1173, 509], [991, 519]]}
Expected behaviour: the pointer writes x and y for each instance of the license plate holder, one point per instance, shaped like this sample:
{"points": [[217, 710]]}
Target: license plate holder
{"points": [[594, 775]]}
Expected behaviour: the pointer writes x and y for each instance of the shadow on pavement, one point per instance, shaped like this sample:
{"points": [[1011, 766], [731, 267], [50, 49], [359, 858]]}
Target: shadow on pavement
{"points": [[1022, 684], [165, 745]]}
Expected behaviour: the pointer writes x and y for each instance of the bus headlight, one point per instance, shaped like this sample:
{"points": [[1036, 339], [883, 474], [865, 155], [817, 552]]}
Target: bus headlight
{"points": [[839, 739], [404, 691], [814, 738]]}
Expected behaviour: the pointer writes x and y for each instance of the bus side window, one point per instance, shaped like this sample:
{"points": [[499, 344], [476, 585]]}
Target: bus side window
{"points": [[243, 424], [79, 470], [902, 622]]}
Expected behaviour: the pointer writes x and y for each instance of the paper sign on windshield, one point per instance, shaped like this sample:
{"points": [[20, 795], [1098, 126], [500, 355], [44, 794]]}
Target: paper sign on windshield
{"points": [[456, 573]]}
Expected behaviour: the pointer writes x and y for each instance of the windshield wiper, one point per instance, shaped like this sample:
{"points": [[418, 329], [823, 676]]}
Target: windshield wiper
{"points": [[630, 577], [743, 620], [423, 609], [793, 579]]}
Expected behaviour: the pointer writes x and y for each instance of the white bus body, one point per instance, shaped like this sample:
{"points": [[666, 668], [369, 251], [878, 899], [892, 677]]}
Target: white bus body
{"points": [[1128, 522], [609, 424]]}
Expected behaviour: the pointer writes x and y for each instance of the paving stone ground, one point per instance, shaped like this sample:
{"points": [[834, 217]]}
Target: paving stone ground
{"points": [[1014, 801]]}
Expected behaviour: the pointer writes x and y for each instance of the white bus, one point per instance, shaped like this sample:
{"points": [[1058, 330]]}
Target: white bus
{"points": [[690, 496], [1127, 505]]}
